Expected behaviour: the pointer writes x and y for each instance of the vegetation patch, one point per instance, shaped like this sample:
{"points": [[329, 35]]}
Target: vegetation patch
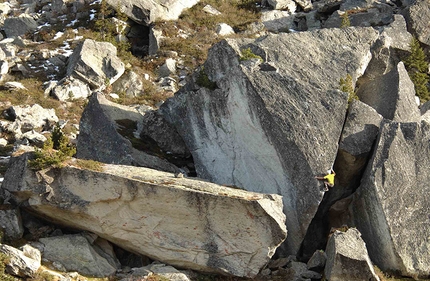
{"points": [[417, 66], [204, 81], [345, 20], [4, 260], [247, 54], [346, 85], [90, 165], [56, 150]]}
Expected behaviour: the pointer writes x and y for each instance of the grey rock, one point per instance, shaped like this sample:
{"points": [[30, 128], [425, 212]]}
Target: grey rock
{"points": [[390, 208], [358, 136], [291, 114], [317, 261], [163, 270], [168, 68], [224, 29], [278, 21], [155, 39], [100, 138], [305, 4], [211, 10], [347, 258], [75, 253], [396, 35], [11, 223], [130, 84], [70, 88], [19, 264], [393, 97], [417, 15], [146, 12], [375, 16], [27, 118], [425, 107], [204, 226], [17, 26], [34, 138], [95, 63], [155, 126], [289, 5]]}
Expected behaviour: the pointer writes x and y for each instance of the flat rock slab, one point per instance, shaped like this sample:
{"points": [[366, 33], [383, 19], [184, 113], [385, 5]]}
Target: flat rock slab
{"points": [[179, 221]]}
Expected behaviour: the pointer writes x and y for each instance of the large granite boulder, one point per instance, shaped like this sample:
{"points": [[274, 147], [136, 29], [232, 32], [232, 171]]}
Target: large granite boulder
{"points": [[347, 258], [391, 205], [273, 124], [96, 64], [146, 12], [106, 134], [188, 223]]}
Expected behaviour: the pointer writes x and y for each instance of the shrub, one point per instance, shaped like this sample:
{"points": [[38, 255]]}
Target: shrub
{"points": [[346, 85], [417, 66], [204, 81], [55, 151], [345, 20], [90, 165], [247, 54]]}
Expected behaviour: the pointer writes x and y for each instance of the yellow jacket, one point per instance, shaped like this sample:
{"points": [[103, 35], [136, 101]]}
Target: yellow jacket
{"points": [[330, 178]]}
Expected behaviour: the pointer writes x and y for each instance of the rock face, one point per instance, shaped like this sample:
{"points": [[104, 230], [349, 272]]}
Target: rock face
{"points": [[347, 258], [183, 222], [146, 12], [391, 208], [272, 126], [100, 139]]}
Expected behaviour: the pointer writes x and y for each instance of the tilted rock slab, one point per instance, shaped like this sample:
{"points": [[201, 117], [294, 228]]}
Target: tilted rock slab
{"points": [[20, 263], [178, 221], [391, 207], [272, 126], [417, 16], [347, 258], [100, 139], [146, 12]]}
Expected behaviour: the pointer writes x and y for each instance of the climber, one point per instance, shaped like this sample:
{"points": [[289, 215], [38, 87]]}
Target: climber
{"points": [[328, 179]]}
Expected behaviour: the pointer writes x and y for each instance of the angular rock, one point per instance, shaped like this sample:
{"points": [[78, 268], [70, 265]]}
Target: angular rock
{"points": [[396, 34], [155, 126], [146, 12], [95, 63], [27, 118], [417, 16], [390, 206], [34, 138], [163, 270], [278, 21], [106, 132], [183, 222], [130, 84], [10, 223], [19, 264], [306, 5], [168, 68], [76, 253], [358, 136], [392, 95], [224, 29], [211, 10], [155, 39], [18, 26], [289, 5], [347, 258], [272, 130], [71, 88], [317, 261]]}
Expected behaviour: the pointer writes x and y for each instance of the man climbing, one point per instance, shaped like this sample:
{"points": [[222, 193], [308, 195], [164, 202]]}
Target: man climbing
{"points": [[328, 179]]}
